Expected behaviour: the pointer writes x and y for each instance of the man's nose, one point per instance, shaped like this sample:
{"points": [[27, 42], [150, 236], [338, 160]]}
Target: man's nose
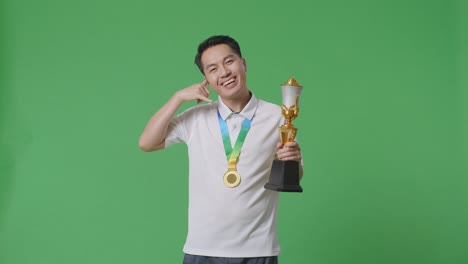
{"points": [[225, 71]]}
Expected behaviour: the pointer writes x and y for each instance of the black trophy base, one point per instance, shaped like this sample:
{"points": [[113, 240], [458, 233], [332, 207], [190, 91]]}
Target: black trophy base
{"points": [[284, 176]]}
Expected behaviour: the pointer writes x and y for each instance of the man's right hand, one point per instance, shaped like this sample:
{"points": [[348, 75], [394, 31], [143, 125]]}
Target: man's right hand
{"points": [[197, 92], [154, 134]]}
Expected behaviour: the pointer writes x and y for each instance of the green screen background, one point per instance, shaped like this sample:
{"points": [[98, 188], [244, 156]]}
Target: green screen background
{"points": [[382, 126]]}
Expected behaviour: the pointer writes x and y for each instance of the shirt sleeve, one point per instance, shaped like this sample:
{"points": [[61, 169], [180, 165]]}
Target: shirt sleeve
{"points": [[176, 132]]}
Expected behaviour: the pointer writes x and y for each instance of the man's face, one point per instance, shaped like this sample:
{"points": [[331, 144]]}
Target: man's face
{"points": [[225, 71]]}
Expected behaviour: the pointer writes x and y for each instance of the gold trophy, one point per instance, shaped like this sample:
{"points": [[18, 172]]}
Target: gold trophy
{"points": [[284, 175]]}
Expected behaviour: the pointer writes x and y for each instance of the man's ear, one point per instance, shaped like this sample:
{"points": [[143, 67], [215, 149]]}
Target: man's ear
{"points": [[245, 64]]}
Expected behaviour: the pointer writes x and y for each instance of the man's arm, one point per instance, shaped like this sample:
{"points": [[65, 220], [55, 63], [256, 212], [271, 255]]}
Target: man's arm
{"points": [[154, 134]]}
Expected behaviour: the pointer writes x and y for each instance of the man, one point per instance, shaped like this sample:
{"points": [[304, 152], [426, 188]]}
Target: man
{"points": [[231, 145]]}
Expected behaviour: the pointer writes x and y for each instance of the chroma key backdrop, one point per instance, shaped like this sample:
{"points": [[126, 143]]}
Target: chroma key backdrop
{"points": [[382, 126]]}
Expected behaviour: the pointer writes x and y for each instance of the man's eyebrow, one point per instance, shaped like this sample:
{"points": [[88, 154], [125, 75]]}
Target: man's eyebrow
{"points": [[214, 64], [228, 56]]}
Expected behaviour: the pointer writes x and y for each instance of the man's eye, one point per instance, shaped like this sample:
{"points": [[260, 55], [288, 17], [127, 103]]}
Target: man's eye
{"points": [[212, 69], [229, 61]]}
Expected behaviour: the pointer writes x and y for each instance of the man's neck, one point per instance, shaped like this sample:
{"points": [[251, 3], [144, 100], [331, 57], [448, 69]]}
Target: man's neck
{"points": [[238, 104]]}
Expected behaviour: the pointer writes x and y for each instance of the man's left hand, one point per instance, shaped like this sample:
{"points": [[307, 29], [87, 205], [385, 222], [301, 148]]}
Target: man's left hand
{"points": [[289, 151]]}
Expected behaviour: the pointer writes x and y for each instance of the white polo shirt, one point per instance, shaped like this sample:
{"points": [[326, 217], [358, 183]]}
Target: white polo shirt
{"points": [[223, 221]]}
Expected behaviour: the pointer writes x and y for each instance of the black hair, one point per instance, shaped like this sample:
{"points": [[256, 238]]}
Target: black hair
{"points": [[213, 41]]}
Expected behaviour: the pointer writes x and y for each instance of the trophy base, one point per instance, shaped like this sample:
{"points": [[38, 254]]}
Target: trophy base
{"points": [[284, 176]]}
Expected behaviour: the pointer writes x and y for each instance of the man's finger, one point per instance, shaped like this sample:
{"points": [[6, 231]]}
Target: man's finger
{"points": [[292, 144], [202, 98], [204, 83]]}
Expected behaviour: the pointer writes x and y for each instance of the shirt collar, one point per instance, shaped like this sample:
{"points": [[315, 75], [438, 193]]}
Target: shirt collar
{"points": [[248, 111]]}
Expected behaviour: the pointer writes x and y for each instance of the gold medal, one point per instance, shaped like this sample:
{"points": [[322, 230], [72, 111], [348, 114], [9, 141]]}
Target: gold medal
{"points": [[232, 178]]}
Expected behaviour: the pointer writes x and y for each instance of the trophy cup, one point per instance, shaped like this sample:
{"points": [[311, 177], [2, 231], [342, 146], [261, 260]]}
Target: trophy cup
{"points": [[284, 175]]}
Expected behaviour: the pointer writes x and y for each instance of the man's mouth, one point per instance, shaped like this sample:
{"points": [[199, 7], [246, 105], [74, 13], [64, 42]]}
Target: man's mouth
{"points": [[229, 82]]}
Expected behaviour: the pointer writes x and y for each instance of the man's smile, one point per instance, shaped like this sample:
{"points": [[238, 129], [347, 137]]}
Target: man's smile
{"points": [[228, 82]]}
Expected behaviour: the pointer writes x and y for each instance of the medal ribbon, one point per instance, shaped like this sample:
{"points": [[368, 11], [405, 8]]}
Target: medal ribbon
{"points": [[232, 154]]}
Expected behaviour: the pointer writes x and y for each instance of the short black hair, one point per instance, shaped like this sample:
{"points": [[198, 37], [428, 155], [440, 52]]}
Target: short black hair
{"points": [[213, 41]]}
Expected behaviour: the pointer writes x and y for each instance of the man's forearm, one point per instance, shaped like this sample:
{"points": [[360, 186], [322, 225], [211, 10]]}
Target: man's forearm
{"points": [[154, 134]]}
